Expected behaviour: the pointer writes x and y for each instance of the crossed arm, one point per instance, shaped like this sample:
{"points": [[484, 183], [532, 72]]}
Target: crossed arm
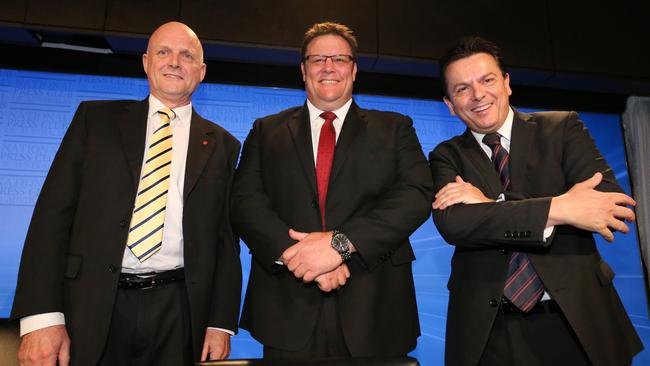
{"points": [[582, 206]]}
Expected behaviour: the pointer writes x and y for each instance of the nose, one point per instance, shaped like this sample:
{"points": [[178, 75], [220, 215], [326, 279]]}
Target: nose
{"points": [[174, 61], [478, 92], [329, 64]]}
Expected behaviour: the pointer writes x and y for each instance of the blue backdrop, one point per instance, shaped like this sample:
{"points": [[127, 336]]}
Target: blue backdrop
{"points": [[36, 108]]}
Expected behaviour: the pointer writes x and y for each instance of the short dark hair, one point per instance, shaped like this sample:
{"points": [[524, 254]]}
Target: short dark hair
{"points": [[325, 28], [468, 46]]}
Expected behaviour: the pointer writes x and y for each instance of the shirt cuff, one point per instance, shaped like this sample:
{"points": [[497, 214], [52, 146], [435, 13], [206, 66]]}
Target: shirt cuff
{"points": [[39, 321], [223, 330], [548, 232]]}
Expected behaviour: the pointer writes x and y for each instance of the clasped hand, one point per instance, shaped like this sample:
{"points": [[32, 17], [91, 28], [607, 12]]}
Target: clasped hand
{"points": [[312, 258]]}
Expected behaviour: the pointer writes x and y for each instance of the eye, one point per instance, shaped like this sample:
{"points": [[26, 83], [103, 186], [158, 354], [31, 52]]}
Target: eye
{"points": [[460, 90], [489, 80], [318, 60], [188, 56], [162, 52]]}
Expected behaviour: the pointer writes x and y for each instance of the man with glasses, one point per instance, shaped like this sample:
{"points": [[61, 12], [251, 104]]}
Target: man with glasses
{"points": [[326, 196]]}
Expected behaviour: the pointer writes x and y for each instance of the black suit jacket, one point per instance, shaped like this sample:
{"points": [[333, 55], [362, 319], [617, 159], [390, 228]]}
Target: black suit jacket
{"points": [[379, 193], [550, 152], [73, 252]]}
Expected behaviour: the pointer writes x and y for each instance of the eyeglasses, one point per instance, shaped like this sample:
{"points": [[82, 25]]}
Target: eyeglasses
{"points": [[322, 59]]}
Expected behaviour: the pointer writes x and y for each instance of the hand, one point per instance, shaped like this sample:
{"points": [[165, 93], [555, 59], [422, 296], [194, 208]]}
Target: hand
{"points": [[458, 192], [311, 256], [333, 280], [216, 345], [45, 347], [585, 208]]}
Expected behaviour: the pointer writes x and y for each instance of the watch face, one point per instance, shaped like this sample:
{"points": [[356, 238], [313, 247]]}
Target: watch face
{"points": [[340, 243]]}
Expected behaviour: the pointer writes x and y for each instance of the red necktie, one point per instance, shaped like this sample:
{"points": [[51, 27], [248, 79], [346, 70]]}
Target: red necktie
{"points": [[523, 286], [324, 158]]}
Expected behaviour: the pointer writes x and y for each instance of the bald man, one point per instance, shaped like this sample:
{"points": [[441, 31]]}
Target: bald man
{"points": [[129, 258]]}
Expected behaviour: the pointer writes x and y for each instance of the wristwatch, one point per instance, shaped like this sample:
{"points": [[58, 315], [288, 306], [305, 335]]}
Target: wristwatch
{"points": [[341, 244]]}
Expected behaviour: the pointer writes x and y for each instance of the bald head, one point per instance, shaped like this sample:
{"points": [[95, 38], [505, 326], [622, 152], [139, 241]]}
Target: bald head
{"points": [[172, 29], [174, 64]]}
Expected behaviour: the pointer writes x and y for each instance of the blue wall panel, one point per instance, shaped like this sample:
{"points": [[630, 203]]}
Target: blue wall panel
{"points": [[36, 108]]}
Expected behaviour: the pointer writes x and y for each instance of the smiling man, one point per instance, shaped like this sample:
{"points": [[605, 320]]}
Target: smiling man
{"points": [[326, 196], [519, 195], [130, 258]]}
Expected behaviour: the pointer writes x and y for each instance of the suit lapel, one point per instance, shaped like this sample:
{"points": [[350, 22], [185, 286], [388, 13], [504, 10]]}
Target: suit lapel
{"points": [[482, 164], [132, 124], [300, 131], [522, 134], [353, 123], [199, 149]]}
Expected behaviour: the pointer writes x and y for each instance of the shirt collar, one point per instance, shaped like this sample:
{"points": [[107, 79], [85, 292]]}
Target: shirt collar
{"points": [[183, 114], [505, 131], [314, 113]]}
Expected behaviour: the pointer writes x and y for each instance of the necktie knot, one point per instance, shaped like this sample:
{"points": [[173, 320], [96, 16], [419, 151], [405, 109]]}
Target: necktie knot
{"points": [[166, 115], [328, 116], [492, 140]]}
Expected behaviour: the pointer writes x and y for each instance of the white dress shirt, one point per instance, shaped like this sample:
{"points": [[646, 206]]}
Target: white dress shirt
{"points": [[316, 122], [170, 255]]}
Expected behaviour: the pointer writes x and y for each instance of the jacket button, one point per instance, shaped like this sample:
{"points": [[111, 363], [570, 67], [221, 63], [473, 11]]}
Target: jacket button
{"points": [[123, 223], [493, 303], [314, 204], [112, 268], [508, 235], [504, 252]]}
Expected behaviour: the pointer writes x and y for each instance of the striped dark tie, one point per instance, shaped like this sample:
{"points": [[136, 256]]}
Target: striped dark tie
{"points": [[523, 286], [146, 229]]}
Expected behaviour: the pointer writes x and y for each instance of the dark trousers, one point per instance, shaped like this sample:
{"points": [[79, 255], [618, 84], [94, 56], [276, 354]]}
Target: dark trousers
{"points": [[541, 337], [150, 327], [327, 340]]}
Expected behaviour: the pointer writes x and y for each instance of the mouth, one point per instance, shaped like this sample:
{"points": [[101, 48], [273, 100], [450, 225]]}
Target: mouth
{"points": [[329, 82], [173, 76], [481, 108]]}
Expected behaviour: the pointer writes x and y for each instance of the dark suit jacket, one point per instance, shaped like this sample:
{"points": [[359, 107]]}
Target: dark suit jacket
{"points": [[379, 193], [550, 152], [73, 252]]}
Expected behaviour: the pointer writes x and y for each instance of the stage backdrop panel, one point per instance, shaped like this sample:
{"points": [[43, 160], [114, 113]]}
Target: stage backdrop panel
{"points": [[36, 108]]}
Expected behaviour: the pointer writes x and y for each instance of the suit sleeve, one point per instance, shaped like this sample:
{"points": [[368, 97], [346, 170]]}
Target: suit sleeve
{"points": [[226, 295], [495, 224], [40, 278], [253, 217], [379, 232]]}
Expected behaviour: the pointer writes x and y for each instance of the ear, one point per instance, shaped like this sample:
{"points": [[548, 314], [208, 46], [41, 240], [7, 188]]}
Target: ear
{"points": [[144, 62], [450, 105], [506, 83], [302, 69], [203, 70], [354, 72]]}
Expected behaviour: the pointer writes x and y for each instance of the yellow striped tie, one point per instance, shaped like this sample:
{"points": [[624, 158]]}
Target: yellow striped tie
{"points": [[146, 230]]}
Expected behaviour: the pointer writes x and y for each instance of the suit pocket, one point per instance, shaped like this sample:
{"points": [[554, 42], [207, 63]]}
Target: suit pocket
{"points": [[72, 266], [403, 255], [605, 273]]}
